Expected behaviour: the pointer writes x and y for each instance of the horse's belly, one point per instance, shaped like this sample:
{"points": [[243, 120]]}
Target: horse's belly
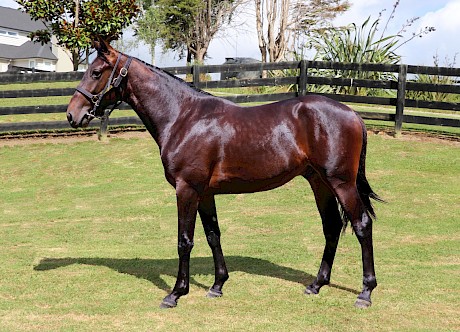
{"points": [[253, 178]]}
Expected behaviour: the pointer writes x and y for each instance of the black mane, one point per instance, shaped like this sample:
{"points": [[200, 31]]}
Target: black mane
{"points": [[191, 85]]}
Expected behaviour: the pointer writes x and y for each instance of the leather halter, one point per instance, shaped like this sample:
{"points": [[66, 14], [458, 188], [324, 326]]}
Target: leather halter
{"points": [[112, 83]]}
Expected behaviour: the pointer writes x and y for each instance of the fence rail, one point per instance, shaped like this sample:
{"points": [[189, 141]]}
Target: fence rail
{"points": [[303, 74]]}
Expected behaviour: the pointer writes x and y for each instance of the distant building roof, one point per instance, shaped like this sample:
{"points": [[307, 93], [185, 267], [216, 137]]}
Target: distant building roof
{"points": [[26, 51], [16, 19]]}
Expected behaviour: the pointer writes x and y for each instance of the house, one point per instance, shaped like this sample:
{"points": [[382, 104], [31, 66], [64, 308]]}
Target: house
{"points": [[18, 52]]}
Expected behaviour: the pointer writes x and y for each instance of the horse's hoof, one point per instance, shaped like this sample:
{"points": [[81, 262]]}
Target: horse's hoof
{"points": [[362, 304], [213, 293], [168, 304], [309, 291]]}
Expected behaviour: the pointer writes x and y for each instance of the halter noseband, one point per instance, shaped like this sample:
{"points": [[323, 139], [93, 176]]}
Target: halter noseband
{"points": [[112, 83]]}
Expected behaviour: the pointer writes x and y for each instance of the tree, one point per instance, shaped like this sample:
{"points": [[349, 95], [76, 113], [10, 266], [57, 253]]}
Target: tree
{"points": [[363, 44], [147, 28], [279, 22], [187, 26], [75, 23]]}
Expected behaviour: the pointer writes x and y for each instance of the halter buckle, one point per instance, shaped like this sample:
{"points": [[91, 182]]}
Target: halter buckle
{"points": [[95, 99], [123, 72]]}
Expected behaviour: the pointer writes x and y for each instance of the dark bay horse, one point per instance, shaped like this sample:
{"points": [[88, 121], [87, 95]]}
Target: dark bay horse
{"points": [[211, 146]]}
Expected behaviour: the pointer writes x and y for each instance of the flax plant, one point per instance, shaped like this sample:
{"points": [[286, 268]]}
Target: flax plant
{"points": [[361, 44], [356, 44], [435, 79]]}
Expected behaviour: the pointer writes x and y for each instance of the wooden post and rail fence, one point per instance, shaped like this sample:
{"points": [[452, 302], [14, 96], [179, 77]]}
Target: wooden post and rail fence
{"points": [[300, 76]]}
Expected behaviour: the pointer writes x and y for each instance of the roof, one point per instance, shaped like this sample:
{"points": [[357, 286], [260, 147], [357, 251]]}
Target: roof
{"points": [[26, 51], [14, 19], [17, 20]]}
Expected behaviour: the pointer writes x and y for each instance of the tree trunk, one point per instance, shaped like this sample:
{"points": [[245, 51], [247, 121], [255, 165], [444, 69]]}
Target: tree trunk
{"points": [[199, 56], [260, 31], [75, 59], [75, 53], [189, 57], [274, 37]]}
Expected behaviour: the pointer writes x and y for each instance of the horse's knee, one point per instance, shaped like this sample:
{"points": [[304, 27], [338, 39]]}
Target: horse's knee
{"points": [[184, 246], [213, 239]]}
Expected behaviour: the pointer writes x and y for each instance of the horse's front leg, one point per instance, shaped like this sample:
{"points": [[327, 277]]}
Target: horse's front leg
{"points": [[187, 205]]}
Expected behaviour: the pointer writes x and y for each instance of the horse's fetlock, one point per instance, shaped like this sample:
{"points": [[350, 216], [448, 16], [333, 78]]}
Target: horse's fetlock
{"points": [[370, 282], [223, 276]]}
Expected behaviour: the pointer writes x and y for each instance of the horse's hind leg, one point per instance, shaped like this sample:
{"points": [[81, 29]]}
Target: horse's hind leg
{"points": [[348, 196], [208, 215], [332, 225]]}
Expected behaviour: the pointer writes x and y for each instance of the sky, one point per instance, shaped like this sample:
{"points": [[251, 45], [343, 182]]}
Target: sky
{"points": [[440, 14], [241, 39]]}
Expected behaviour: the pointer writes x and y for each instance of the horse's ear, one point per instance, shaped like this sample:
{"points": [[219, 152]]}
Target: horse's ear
{"points": [[101, 46], [104, 49]]}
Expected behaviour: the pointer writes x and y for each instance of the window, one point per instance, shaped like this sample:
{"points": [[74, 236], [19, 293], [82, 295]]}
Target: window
{"points": [[8, 33], [31, 63]]}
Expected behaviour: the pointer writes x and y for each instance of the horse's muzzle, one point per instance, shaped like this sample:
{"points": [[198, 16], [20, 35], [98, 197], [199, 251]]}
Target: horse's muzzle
{"points": [[83, 122], [71, 121]]}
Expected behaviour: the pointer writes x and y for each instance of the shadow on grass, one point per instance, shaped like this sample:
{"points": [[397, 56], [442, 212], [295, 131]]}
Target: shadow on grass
{"points": [[153, 269]]}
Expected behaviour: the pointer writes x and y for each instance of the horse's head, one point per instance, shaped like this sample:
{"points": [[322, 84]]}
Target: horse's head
{"points": [[100, 86]]}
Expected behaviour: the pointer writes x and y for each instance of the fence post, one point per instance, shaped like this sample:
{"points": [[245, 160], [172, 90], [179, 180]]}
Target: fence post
{"points": [[302, 87], [400, 98], [102, 134]]}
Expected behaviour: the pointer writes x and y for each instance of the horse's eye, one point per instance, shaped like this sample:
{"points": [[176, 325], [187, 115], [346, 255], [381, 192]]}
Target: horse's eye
{"points": [[96, 74]]}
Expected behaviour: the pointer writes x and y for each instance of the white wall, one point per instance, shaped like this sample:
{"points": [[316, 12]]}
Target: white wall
{"points": [[64, 63], [3, 65], [41, 64], [17, 40]]}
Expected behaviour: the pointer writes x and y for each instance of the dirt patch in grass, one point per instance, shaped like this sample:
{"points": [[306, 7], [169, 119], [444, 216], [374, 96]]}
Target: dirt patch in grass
{"points": [[64, 138], [419, 137]]}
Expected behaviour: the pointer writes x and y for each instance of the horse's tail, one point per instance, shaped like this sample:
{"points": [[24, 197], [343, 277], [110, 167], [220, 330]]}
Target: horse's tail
{"points": [[364, 189]]}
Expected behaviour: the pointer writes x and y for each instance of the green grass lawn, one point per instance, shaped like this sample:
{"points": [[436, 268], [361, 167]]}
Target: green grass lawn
{"points": [[88, 243]]}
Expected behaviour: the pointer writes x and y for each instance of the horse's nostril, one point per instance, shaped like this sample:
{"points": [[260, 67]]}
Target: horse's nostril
{"points": [[69, 117]]}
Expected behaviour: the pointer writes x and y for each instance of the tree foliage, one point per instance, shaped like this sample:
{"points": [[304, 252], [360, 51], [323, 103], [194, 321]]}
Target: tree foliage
{"points": [[187, 26], [75, 23], [147, 28]]}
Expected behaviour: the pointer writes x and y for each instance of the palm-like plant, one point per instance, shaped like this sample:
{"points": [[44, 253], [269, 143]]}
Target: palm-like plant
{"points": [[360, 44], [356, 44], [435, 79]]}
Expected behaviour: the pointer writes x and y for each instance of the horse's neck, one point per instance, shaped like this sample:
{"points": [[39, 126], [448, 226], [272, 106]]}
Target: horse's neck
{"points": [[157, 99]]}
